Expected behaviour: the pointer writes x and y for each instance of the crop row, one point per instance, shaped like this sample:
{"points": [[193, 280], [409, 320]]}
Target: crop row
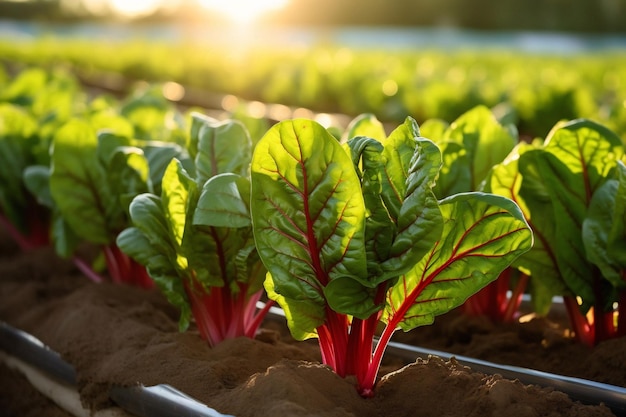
{"points": [[533, 90], [344, 232]]}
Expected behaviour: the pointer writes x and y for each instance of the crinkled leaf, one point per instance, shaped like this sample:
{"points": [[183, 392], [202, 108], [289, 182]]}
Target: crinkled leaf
{"points": [[418, 222], [308, 215], [398, 153], [483, 234], [379, 230]]}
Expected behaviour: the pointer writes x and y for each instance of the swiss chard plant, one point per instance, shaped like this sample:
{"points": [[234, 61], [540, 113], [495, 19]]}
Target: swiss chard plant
{"points": [[94, 175], [571, 189], [354, 237], [32, 106], [195, 238]]}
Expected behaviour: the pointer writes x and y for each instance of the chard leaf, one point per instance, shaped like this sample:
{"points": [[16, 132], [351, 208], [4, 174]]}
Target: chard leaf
{"points": [[379, 230], [309, 217], [617, 236], [222, 147], [65, 239], [520, 182], [604, 231], [17, 137], [434, 129], [455, 175], [482, 234], [149, 243], [149, 219], [486, 141], [37, 181], [418, 219], [78, 184], [223, 202], [575, 161], [364, 125], [159, 155], [398, 153], [178, 194]]}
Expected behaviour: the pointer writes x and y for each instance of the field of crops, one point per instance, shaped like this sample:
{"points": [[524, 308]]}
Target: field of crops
{"points": [[533, 91]]}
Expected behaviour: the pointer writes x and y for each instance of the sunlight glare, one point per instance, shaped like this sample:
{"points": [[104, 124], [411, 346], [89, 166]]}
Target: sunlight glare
{"points": [[136, 8], [242, 11]]}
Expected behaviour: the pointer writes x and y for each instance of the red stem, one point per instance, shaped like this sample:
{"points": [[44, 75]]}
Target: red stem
{"points": [[583, 330], [366, 386], [113, 266], [221, 314], [255, 321], [86, 270], [513, 303]]}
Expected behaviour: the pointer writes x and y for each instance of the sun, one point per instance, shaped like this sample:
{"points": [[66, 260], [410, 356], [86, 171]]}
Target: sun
{"points": [[242, 11]]}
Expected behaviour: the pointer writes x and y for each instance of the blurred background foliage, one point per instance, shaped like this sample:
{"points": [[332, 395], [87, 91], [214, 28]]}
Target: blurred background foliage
{"points": [[590, 16]]}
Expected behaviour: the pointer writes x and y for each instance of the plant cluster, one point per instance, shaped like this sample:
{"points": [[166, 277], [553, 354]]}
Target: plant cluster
{"points": [[535, 89], [355, 235]]}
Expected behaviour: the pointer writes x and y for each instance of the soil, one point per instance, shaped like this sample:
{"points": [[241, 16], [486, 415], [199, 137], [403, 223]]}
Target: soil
{"points": [[120, 335]]}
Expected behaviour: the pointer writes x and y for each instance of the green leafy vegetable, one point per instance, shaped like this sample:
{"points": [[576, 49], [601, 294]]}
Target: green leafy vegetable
{"points": [[195, 239], [353, 236], [569, 189]]}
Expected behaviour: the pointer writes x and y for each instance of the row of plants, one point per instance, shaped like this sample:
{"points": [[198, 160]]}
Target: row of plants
{"points": [[348, 234], [536, 90]]}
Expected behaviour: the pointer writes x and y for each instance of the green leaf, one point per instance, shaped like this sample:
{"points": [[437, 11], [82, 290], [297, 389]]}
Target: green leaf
{"points": [[221, 203], [604, 231], [419, 223], [37, 181], [17, 138], [175, 202], [486, 141], [379, 230], [65, 239], [520, 182], [483, 234], [434, 129], [78, 184], [308, 217], [364, 125], [575, 161], [398, 155], [159, 155], [148, 217], [455, 175], [146, 247], [223, 147]]}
